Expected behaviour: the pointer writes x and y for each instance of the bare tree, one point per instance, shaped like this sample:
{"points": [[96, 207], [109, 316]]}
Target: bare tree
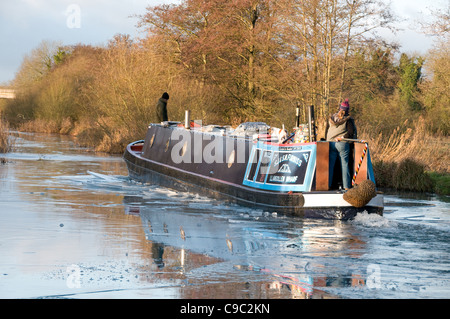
{"points": [[325, 32], [440, 23], [36, 64]]}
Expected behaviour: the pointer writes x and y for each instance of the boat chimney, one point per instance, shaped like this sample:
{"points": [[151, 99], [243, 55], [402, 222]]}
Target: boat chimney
{"points": [[187, 121], [297, 115], [312, 124]]}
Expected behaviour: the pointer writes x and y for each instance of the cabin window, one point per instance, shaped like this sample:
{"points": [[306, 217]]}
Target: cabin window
{"points": [[231, 158], [183, 150], [255, 162], [167, 145], [264, 166], [152, 140]]}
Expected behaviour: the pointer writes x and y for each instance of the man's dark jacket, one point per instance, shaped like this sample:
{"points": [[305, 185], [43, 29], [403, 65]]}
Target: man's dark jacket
{"points": [[161, 110]]}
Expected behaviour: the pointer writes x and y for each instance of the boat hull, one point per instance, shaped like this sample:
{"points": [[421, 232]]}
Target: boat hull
{"points": [[315, 204]]}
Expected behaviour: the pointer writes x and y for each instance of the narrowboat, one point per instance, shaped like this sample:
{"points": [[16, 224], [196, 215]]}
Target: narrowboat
{"points": [[253, 165]]}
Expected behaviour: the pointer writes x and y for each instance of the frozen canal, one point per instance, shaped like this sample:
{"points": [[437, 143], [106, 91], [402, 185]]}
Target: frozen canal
{"points": [[74, 226]]}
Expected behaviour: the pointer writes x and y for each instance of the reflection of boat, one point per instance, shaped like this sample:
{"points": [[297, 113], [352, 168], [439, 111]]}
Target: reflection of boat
{"points": [[234, 242], [223, 237], [241, 242], [251, 170]]}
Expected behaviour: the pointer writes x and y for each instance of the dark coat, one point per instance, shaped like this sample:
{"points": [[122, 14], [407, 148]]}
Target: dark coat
{"points": [[161, 110]]}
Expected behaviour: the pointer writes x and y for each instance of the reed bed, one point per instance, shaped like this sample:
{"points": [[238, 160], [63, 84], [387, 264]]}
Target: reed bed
{"points": [[414, 143], [5, 139], [411, 159]]}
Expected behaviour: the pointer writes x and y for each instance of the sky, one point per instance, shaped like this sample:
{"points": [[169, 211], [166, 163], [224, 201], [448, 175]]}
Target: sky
{"points": [[24, 24]]}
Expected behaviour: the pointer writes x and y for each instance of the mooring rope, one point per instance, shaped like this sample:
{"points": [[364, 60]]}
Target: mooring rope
{"points": [[366, 145]]}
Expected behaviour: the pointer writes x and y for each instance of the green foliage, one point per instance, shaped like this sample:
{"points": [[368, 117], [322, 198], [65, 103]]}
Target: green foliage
{"points": [[441, 182], [435, 92], [372, 74], [410, 70], [60, 56]]}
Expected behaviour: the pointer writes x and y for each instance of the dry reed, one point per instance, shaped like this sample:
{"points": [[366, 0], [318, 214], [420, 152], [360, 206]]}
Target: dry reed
{"points": [[403, 159], [5, 139], [414, 143]]}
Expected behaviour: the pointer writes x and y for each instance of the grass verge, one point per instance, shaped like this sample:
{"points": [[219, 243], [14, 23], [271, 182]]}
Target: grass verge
{"points": [[441, 182]]}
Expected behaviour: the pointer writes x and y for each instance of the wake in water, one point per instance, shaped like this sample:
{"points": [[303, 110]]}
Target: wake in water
{"points": [[106, 183], [372, 220]]}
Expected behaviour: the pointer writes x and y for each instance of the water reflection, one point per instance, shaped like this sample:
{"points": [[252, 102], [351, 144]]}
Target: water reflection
{"points": [[272, 255]]}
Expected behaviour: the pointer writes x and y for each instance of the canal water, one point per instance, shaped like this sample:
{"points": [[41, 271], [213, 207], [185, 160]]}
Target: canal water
{"points": [[73, 225]]}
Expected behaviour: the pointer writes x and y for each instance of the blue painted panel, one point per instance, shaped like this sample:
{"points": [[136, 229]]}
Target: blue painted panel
{"points": [[281, 168]]}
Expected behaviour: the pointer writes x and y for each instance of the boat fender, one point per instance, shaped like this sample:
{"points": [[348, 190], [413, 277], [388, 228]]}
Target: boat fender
{"points": [[361, 194]]}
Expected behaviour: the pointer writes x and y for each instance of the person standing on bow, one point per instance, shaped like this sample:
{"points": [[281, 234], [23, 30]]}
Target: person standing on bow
{"points": [[340, 125], [161, 108]]}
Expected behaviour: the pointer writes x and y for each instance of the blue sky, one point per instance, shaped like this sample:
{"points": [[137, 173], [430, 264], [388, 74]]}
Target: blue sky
{"points": [[26, 23]]}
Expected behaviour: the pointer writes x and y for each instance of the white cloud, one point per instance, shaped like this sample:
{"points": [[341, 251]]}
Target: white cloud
{"points": [[412, 12]]}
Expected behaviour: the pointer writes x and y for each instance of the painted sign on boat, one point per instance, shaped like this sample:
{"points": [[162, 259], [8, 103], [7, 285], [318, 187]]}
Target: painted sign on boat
{"points": [[278, 168]]}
